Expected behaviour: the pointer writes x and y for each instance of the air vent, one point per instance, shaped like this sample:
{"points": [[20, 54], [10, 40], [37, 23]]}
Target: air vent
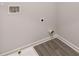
{"points": [[14, 9]]}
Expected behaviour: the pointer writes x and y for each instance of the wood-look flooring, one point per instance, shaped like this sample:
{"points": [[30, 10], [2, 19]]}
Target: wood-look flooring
{"points": [[55, 47]]}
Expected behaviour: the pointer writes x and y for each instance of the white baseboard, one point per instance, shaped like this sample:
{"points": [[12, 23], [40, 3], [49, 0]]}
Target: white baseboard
{"points": [[68, 43], [28, 45], [42, 41]]}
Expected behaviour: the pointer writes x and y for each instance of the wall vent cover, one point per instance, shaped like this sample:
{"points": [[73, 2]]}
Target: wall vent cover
{"points": [[14, 9]]}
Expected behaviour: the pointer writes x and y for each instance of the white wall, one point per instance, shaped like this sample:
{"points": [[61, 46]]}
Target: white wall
{"points": [[67, 24], [25, 27]]}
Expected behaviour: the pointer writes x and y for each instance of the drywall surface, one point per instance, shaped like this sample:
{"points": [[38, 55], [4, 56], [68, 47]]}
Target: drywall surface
{"points": [[67, 24], [25, 27]]}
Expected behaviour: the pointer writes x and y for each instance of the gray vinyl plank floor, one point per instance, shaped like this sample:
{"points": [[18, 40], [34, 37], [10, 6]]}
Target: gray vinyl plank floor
{"points": [[55, 47]]}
